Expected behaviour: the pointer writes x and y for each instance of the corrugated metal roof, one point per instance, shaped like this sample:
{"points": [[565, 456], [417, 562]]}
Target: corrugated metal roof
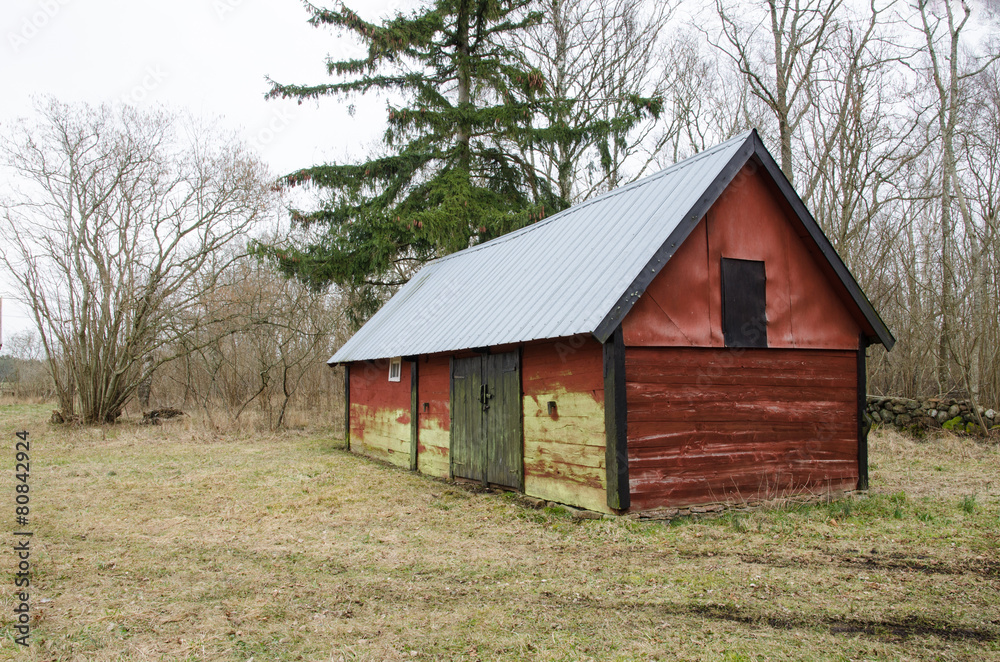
{"points": [[555, 278]]}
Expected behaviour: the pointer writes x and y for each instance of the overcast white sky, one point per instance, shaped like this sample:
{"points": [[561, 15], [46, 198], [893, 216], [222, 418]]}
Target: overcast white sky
{"points": [[206, 56]]}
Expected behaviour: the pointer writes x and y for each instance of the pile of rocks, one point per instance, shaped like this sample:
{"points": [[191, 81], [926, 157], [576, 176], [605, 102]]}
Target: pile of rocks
{"points": [[955, 415]]}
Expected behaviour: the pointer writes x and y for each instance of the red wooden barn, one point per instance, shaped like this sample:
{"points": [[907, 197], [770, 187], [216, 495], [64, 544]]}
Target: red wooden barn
{"points": [[690, 338]]}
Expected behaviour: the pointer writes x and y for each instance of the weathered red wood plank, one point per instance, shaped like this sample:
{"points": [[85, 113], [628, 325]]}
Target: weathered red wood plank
{"points": [[375, 400], [788, 455], [547, 363], [560, 350], [655, 358], [708, 479], [819, 379], [649, 432], [434, 389], [804, 392], [729, 358], [691, 495], [749, 412], [712, 425], [742, 446], [833, 375], [578, 383]]}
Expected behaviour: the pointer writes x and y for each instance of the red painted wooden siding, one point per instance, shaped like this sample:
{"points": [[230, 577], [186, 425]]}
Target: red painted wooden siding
{"points": [[380, 411], [434, 390], [805, 306], [710, 425], [564, 452]]}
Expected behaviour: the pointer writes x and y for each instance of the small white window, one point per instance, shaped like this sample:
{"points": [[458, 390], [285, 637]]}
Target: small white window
{"points": [[395, 368]]}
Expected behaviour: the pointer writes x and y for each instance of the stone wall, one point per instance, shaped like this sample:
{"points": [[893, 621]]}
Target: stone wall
{"points": [[954, 415]]}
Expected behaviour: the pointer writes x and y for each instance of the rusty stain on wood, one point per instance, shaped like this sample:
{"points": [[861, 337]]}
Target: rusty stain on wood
{"points": [[414, 415], [347, 406], [434, 431], [564, 457], [376, 431], [806, 305], [380, 412], [709, 425], [432, 456]]}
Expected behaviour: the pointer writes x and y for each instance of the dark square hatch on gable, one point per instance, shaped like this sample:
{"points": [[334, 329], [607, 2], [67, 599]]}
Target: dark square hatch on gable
{"points": [[744, 303]]}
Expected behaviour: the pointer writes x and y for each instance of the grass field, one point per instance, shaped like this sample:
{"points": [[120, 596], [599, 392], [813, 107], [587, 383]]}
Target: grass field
{"points": [[174, 543]]}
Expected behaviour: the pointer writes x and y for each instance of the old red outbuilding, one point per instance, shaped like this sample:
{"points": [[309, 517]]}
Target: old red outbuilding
{"points": [[690, 338]]}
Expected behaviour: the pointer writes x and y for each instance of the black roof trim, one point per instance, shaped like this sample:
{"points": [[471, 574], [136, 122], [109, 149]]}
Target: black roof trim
{"points": [[882, 333], [712, 192], [753, 147]]}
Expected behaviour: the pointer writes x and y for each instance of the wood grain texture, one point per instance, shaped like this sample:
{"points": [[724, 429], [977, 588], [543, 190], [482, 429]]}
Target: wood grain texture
{"points": [[806, 305], [433, 435], [505, 445], [564, 451], [414, 414], [432, 456], [347, 406], [468, 434], [380, 412], [708, 425]]}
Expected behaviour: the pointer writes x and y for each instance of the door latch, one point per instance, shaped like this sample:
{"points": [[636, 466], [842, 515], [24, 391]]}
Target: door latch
{"points": [[484, 396]]}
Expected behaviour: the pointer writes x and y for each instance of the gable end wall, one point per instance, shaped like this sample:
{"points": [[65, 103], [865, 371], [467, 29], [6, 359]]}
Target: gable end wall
{"points": [[711, 424]]}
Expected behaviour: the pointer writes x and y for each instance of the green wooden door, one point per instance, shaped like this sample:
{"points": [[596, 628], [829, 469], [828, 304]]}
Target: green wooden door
{"points": [[467, 438], [486, 435], [505, 459]]}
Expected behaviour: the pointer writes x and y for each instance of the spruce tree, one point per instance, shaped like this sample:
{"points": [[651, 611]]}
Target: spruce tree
{"points": [[453, 171]]}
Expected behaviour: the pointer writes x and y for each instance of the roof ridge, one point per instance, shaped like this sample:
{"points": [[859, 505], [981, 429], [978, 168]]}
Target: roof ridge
{"points": [[742, 137]]}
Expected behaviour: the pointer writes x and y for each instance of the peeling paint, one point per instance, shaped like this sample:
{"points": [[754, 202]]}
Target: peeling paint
{"points": [[564, 451], [773, 422], [377, 432]]}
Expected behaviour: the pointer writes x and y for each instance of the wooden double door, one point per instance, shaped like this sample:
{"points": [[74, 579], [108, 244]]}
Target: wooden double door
{"points": [[486, 426]]}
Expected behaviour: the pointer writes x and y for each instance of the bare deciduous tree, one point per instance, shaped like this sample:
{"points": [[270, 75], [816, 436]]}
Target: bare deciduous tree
{"points": [[114, 214], [981, 150], [778, 53], [941, 28], [706, 101], [598, 58], [272, 335]]}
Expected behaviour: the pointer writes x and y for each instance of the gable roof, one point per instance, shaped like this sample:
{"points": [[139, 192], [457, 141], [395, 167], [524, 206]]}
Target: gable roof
{"points": [[578, 271]]}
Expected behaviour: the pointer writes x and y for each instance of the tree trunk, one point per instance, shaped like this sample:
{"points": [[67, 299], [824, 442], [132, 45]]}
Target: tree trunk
{"points": [[464, 133]]}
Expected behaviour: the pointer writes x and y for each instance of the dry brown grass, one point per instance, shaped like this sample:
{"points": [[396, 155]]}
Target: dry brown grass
{"points": [[173, 543]]}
